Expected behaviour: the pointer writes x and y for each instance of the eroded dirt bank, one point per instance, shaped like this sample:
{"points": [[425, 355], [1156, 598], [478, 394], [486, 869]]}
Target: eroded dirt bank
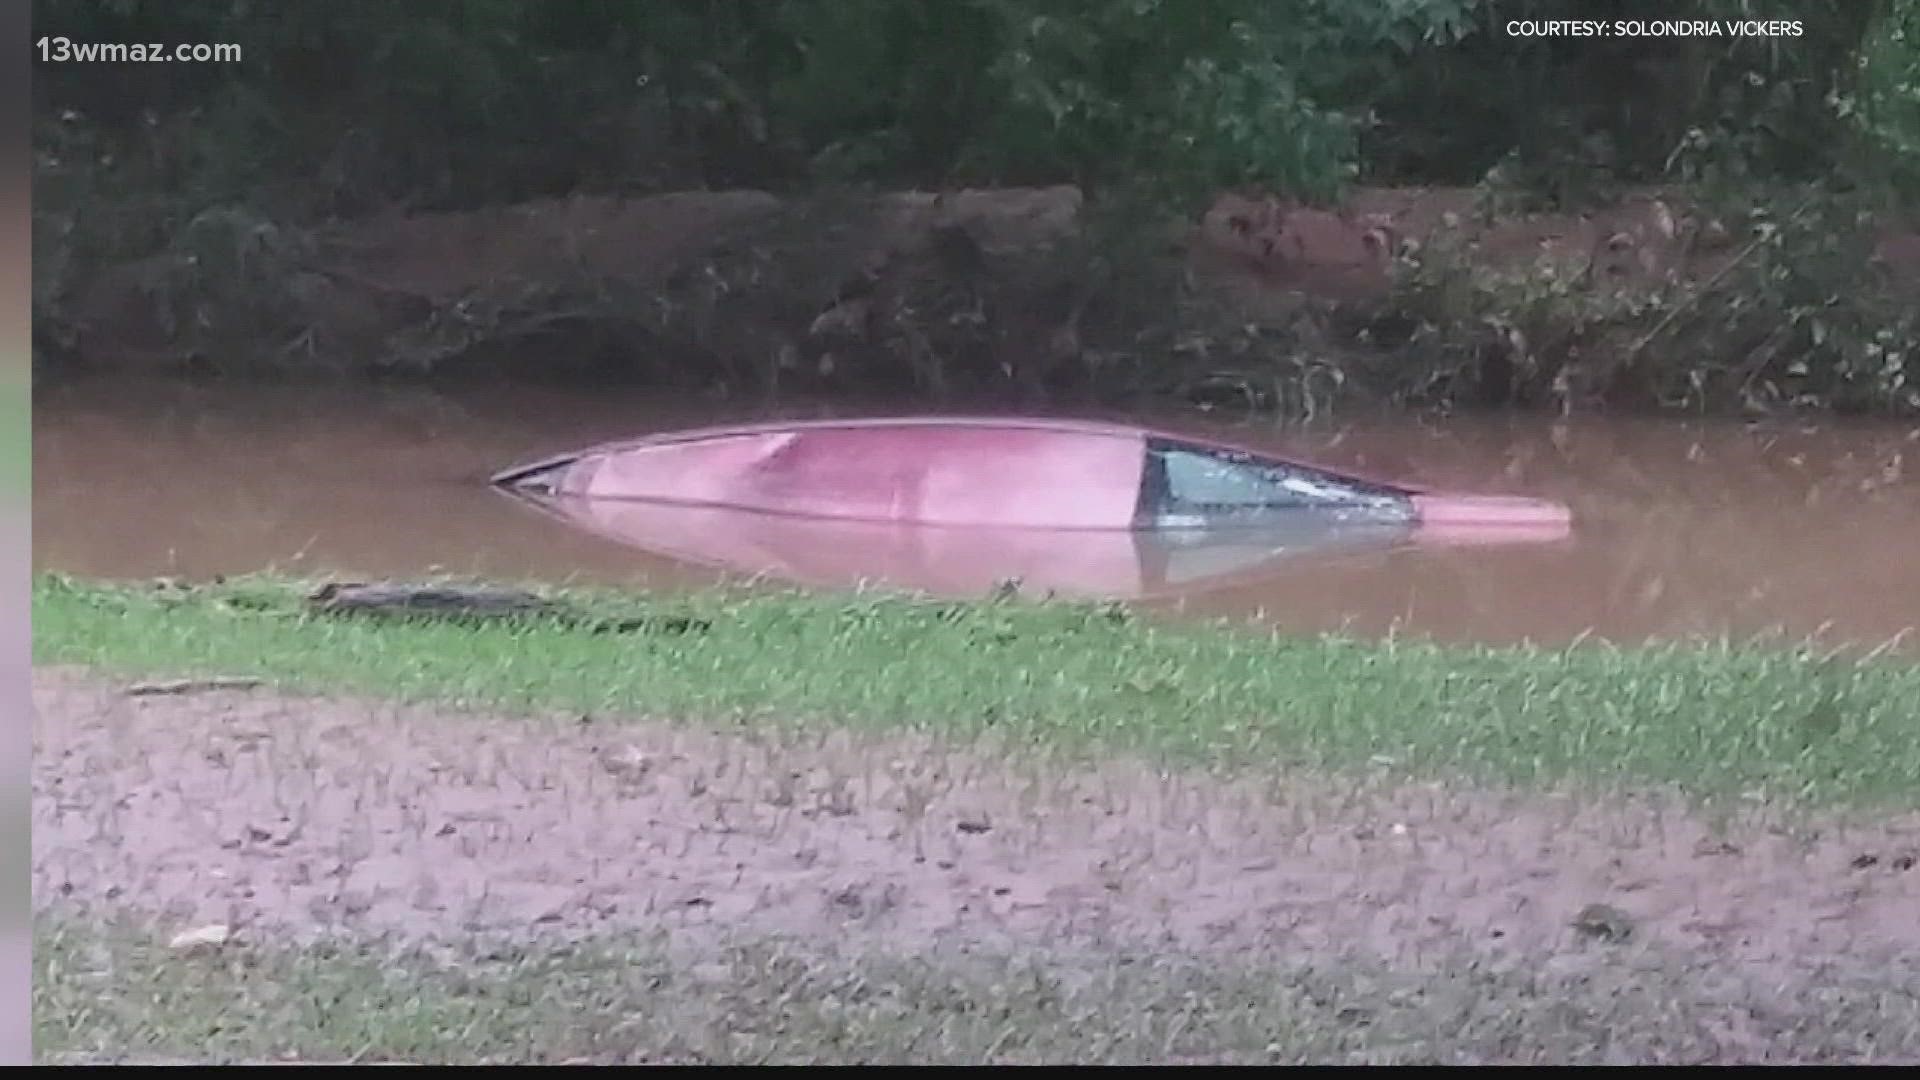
{"points": [[1021, 294], [283, 816]]}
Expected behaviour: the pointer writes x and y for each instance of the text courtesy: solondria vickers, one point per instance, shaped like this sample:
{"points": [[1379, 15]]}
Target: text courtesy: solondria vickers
{"points": [[1657, 28]]}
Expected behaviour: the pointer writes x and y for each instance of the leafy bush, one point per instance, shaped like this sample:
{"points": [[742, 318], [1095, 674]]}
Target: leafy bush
{"points": [[1887, 105], [1785, 313]]}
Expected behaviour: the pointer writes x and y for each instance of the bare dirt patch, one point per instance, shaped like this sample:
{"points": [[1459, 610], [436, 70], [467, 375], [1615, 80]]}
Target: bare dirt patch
{"points": [[290, 815]]}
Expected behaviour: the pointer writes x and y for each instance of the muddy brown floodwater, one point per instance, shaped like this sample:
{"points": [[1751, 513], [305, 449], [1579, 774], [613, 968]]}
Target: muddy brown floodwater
{"points": [[1682, 528]]}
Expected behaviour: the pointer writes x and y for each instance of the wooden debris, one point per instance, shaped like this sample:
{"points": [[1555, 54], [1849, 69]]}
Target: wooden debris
{"points": [[479, 602], [349, 597], [193, 686]]}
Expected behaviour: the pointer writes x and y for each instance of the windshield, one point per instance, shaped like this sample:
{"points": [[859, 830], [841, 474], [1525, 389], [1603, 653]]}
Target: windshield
{"points": [[1189, 484]]}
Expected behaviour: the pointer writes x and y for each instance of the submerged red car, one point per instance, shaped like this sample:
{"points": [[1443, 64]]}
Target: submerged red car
{"points": [[1010, 473]]}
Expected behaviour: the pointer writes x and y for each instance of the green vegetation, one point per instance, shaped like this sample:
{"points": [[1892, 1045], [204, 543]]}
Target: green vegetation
{"points": [[1765, 329], [1805, 147], [1888, 104], [451, 103], [1707, 720], [109, 993]]}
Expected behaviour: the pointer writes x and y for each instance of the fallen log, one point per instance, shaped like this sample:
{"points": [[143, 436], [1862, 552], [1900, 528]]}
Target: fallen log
{"points": [[471, 603], [193, 686]]}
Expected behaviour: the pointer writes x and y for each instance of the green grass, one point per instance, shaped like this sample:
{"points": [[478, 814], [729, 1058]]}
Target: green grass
{"points": [[1707, 720], [113, 993]]}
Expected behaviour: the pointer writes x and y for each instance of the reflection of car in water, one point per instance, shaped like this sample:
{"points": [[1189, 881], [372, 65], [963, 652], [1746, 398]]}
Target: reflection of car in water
{"points": [[955, 505], [959, 559]]}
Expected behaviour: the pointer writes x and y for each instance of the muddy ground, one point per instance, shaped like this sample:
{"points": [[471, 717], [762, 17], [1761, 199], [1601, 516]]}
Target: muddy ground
{"points": [[286, 817]]}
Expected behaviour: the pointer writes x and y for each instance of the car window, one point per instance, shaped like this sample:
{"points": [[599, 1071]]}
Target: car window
{"points": [[1186, 480]]}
